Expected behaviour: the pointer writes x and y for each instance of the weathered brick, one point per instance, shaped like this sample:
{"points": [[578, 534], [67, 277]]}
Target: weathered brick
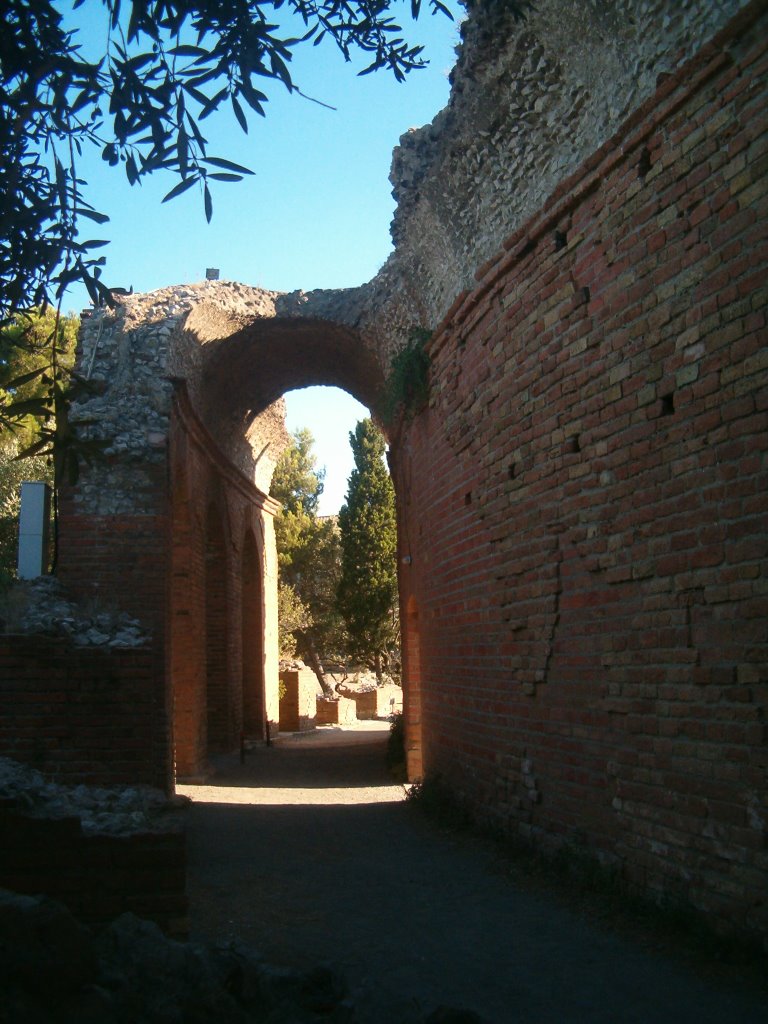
{"points": [[665, 384]]}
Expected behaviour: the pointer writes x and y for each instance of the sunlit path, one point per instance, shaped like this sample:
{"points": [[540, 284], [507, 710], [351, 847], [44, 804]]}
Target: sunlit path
{"points": [[350, 770], [309, 854]]}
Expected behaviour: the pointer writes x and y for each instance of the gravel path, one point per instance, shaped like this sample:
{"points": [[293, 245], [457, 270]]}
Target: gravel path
{"points": [[309, 853]]}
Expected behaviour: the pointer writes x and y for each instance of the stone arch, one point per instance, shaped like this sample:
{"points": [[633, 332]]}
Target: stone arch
{"points": [[236, 370], [256, 365], [215, 360]]}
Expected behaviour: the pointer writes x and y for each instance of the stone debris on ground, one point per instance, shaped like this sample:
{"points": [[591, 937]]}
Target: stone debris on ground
{"points": [[55, 969], [40, 607], [101, 810]]}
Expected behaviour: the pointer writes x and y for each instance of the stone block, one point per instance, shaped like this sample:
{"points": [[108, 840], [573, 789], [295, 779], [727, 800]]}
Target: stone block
{"points": [[297, 705]]}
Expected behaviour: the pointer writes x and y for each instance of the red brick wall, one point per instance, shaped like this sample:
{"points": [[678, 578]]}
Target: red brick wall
{"points": [[217, 542], [584, 502], [177, 565], [118, 560], [98, 877], [93, 715]]}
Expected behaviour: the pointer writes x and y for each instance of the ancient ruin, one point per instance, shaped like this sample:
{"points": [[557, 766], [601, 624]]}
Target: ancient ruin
{"points": [[582, 500]]}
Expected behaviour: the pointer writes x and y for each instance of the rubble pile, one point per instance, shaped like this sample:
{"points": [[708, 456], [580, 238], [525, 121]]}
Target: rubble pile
{"points": [[105, 811], [40, 607], [54, 969]]}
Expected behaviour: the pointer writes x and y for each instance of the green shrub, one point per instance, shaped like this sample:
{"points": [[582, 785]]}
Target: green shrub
{"points": [[407, 385]]}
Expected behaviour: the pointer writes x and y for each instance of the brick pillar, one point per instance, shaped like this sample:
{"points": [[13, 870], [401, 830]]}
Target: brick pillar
{"points": [[412, 692], [252, 641]]}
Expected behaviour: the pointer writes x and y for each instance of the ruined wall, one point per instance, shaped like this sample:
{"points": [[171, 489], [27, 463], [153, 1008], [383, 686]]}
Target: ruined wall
{"points": [[130, 356], [583, 506], [87, 714], [98, 877], [135, 529], [530, 102], [113, 541]]}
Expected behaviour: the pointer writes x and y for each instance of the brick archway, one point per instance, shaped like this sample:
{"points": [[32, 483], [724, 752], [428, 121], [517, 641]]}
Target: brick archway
{"points": [[182, 507]]}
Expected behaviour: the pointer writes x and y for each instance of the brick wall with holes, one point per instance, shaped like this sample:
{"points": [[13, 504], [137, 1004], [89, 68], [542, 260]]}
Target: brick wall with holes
{"points": [[583, 506], [93, 715]]}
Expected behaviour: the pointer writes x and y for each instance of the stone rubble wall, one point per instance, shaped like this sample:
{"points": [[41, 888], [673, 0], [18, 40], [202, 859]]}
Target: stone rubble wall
{"points": [[530, 102], [57, 970], [129, 357]]}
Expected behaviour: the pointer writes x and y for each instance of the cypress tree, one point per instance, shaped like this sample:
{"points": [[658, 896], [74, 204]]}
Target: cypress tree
{"points": [[367, 591]]}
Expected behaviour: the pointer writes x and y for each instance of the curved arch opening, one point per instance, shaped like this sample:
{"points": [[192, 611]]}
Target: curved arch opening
{"points": [[242, 374], [238, 378]]}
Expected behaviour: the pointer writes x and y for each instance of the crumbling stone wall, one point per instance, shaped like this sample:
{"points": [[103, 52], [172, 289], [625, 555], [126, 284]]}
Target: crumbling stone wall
{"points": [[531, 100], [583, 506], [130, 357]]}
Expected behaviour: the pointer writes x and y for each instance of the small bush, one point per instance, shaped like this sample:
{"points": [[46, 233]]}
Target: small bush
{"points": [[408, 381], [435, 798], [396, 747]]}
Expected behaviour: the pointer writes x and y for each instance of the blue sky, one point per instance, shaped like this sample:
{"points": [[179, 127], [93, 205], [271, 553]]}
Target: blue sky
{"points": [[315, 214]]}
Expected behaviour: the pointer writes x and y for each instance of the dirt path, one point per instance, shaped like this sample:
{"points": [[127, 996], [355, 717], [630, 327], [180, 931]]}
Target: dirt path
{"points": [[310, 854]]}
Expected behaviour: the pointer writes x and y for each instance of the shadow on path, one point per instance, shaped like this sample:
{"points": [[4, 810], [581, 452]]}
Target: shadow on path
{"points": [[309, 854]]}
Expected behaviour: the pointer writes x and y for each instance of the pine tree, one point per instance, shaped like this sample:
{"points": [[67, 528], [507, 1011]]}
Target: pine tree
{"points": [[367, 592]]}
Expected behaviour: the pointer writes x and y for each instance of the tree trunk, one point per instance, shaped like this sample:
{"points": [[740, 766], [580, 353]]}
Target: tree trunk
{"points": [[378, 669], [313, 658]]}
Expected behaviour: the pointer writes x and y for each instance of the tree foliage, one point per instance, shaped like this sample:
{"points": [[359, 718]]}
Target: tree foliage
{"points": [[37, 386], [297, 484], [12, 473], [308, 559], [367, 592], [293, 617], [25, 356], [164, 67], [27, 412]]}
